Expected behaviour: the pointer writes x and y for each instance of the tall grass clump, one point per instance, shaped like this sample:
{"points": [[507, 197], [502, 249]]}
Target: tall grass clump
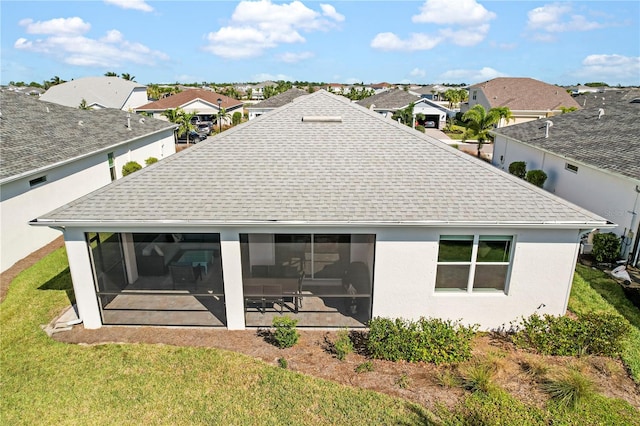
{"points": [[569, 388]]}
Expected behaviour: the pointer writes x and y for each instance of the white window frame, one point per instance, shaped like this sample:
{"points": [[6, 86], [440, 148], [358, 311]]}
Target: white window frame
{"points": [[571, 167], [474, 262]]}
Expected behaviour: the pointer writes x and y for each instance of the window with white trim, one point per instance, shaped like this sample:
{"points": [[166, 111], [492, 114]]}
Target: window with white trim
{"points": [[473, 263]]}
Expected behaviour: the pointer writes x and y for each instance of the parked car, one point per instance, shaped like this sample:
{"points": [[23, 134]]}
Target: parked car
{"points": [[203, 128], [194, 137], [430, 124]]}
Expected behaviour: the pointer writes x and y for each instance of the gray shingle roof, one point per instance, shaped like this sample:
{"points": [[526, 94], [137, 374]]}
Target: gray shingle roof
{"points": [[280, 99], [392, 99], [109, 92], [611, 143], [362, 169], [35, 134]]}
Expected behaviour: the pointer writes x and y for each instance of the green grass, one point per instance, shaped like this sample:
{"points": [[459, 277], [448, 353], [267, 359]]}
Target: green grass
{"points": [[47, 382], [592, 291]]}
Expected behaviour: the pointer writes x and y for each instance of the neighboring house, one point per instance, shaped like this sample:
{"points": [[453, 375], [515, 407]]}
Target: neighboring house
{"points": [[591, 158], [257, 90], [52, 154], [205, 103], [387, 103], [274, 102], [25, 90], [371, 211], [528, 99], [98, 93]]}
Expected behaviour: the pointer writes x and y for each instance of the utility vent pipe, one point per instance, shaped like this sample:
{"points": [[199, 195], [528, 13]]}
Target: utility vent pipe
{"points": [[548, 124], [321, 119], [128, 121], [600, 113]]}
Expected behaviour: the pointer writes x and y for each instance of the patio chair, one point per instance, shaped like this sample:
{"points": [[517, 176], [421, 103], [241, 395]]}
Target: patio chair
{"points": [[185, 274]]}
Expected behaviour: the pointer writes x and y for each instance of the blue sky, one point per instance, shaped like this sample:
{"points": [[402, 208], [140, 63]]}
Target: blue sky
{"points": [[424, 42]]}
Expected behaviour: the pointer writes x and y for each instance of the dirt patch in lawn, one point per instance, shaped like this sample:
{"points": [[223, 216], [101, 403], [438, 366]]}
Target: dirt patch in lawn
{"points": [[422, 383]]}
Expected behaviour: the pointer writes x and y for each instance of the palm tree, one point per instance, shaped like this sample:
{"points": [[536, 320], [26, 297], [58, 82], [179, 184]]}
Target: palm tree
{"points": [[504, 113], [479, 122], [184, 120], [110, 74], [127, 76], [172, 114], [223, 115], [83, 104]]}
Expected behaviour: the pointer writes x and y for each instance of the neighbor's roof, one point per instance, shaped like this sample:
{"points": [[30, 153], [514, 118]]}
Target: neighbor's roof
{"points": [[280, 99], [180, 99], [392, 99], [321, 160], [108, 92], [38, 135], [525, 94], [610, 142]]}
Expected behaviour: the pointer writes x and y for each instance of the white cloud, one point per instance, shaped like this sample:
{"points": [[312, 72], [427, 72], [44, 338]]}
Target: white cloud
{"points": [[330, 12], [613, 69], [65, 42], [131, 4], [464, 12], [470, 76], [418, 72], [292, 58], [390, 41], [467, 24], [557, 18], [58, 26], [272, 77], [260, 25]]}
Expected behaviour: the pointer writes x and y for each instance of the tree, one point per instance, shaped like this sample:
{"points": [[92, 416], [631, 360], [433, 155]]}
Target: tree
{"points": [[172, 114], [236, 118], [504, 113], [405, 115], [567, 109], [536, 177], [479, 122], [127, 76], [110, 74], [223, 115], [184, 121], [518, 168], [83, 104], [54, 81]]}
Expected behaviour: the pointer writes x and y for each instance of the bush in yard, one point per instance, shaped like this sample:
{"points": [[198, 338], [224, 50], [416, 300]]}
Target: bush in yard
{"points": [[536, 177], [569, 388], [130, 167], [236, 118], [595, 333], [518, 168], [285, 334], [428, 339], [606, 247], [150, 161], [343, 344]]}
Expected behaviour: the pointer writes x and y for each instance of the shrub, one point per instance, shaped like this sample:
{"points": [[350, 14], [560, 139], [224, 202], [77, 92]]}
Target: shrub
{"points": [[150, 161], [343, 344], [285, 334], [130, 167], [365, 367], [420, 128], [518, 168], [595, 333], [282, 362], [606, 247], [447, 379], [236, 118], [569, 388], [478, 377], [536, 177], [429, 340]]}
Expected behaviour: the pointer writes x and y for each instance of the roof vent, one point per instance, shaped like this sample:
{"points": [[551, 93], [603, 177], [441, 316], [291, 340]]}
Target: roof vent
{"points": [[80, 123], [548, 124], [142, 120], [322, 119], [600, 113]]}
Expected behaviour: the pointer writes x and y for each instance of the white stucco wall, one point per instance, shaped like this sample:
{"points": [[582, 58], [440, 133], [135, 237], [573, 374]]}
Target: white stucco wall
{"points": [[20, 203], [611, 196], [138, 97], [404, 273]]}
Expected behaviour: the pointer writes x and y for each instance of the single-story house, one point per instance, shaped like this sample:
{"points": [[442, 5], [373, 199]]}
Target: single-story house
{"points": [[52, 154], [98, 93], [388, 102], [591, 158], [325, 211], [528, 99], [274, 102], [205, 103]]}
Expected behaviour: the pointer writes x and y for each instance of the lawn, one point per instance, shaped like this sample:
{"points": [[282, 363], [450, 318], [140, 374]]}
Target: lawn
{"points": [[47, 382]]}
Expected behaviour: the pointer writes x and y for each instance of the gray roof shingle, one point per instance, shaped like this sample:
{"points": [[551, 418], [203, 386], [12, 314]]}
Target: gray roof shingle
{"points": [[280, 99], [392, 99], [36, 135], [611, 142], [362, 169]]}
